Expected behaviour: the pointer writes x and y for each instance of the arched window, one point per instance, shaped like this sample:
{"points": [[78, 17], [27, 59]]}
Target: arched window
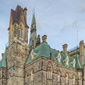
{"points": [[32, 76], [66, 78], [21, 32], [58, 77], [49, 71], [73, 81], [15, 30]]}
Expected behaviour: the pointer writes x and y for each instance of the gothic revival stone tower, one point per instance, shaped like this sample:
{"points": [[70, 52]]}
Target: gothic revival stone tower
{"points": [[18, 50]]}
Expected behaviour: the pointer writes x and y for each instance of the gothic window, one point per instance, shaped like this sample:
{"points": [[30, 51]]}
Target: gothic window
{"points": [[32, 76], [66, 60], [66, 78], [49, 71], [15, 30], [33, 54], [20, 25], [21, 32], [58, 77], [73, 81], [59, 58]]}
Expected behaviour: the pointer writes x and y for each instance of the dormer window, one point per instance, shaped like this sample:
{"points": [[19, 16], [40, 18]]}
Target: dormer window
{"points": [[73, 63], [33, 54], [66, 60], [59, 58]]}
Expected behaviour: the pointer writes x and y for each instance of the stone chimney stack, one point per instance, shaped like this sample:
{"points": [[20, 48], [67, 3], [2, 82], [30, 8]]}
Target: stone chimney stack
{"points": [[65, 49], [38, 40], [81, 52], [2, 54], [44, 38]]}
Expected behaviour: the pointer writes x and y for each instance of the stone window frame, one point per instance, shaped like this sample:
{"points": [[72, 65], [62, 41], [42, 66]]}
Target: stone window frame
{"points": [[59, 73], [49, 72], [32, 74], [15, 30], [73, 79], [67, 78], [21, 32]]}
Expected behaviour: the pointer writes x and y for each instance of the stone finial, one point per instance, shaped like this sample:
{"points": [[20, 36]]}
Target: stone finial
{"points": [[65, 49], [44, 38], [2, 54], [25, 9], [81, 43], [38, 36]]}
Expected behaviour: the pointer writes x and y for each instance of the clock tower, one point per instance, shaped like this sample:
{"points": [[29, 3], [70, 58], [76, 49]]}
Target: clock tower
{"points": [[18, 49]]}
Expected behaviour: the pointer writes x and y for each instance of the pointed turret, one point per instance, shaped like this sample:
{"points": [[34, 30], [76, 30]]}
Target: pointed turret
{"points": [[33, 34]]}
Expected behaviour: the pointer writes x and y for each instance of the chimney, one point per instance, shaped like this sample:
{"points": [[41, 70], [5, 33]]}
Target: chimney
{"points": [[38, 40], [81, 52], [65, 49], [44, 38]]}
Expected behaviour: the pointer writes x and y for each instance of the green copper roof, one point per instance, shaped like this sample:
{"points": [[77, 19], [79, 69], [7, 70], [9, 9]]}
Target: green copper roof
{"points": [[44, 50], [3, 61], [76, 51]]}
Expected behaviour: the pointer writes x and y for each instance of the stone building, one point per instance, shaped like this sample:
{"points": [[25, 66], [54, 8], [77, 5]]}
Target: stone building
{"points": [[37, 63]]}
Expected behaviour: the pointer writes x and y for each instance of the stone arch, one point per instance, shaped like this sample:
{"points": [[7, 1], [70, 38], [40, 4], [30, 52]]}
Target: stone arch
{"points": [[58, 76], [49, 70], [73, 79], [49, 62], [66, 77]]}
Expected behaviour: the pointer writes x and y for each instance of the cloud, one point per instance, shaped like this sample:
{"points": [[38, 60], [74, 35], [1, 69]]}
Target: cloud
{"points": [[82, 7], [44, 23]]}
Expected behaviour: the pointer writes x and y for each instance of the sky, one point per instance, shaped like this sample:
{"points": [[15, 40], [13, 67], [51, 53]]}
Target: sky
{"points": [[63, 21]]}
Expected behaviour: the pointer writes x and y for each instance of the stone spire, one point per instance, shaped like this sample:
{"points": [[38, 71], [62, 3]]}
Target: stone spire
{"points": [[33, 34]]}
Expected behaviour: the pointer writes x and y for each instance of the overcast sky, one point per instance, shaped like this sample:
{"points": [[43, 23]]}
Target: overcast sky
{"points": [[58, 19]]}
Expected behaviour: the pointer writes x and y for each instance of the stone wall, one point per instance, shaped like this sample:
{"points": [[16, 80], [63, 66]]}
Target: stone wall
{"points": [[40, 73]]}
